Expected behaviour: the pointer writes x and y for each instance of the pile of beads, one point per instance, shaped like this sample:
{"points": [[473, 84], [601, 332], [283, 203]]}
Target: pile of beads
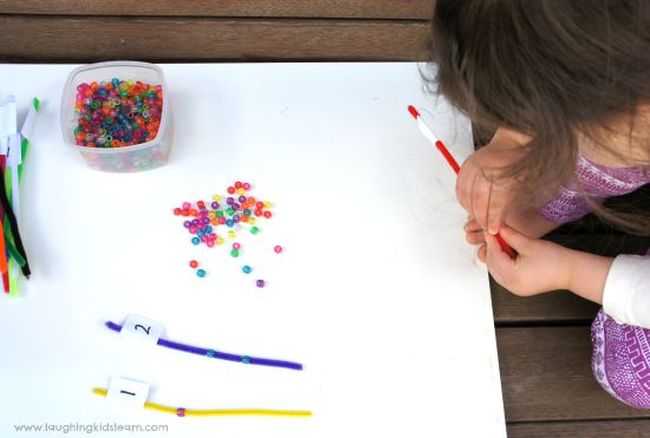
{"points": [[117, 113], [228, 211]]}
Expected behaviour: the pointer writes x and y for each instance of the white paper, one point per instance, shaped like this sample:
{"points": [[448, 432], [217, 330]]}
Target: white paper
{"points": [[8, 115], [377, 292]]}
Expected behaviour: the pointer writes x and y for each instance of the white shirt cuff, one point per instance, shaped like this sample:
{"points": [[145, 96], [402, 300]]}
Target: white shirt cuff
{"points": [[626, 296]]}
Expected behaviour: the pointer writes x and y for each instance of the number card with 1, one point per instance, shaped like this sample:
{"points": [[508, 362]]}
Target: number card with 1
{"points": [[128, 393]]}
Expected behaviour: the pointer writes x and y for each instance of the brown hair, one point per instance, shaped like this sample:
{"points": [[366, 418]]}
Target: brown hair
{"points": [[558, 71]]}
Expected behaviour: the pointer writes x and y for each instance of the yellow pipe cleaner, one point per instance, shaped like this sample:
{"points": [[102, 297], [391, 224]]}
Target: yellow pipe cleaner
{"points": [[182, 412]]}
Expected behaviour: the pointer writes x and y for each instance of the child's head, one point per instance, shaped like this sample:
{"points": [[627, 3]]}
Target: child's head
{"points": [[554, 70]]}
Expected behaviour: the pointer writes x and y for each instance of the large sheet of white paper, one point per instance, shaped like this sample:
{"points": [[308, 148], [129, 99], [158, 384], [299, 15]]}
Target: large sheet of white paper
{"points": [[376, 293]]}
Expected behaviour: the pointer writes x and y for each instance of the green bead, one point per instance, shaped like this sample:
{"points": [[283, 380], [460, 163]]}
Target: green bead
{"points": [[230, 212], [219, 213], [255, 230], [234, 253]]}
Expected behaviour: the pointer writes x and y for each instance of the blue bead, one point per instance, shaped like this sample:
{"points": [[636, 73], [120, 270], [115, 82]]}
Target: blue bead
{"points": [[230, 223], [245, 359], [200, 273], [209, 353], [208, 229], [200, 233], [196, 240], [246, 269]]}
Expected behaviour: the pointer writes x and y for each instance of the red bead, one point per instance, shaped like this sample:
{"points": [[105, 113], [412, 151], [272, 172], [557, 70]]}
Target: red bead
{"points": [[221, 220], [259, 205], [185, 212], [267, 214], [200, 204], [177, 211], [231, 190], [238, 185], [194, 264], [258, 212]]}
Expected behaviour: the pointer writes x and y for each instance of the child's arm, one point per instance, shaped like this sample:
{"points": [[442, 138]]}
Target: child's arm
{"points": [[622, 285]]}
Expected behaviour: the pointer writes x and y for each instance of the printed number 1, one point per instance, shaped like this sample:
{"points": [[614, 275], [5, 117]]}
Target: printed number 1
{"points": [[127, 392]]}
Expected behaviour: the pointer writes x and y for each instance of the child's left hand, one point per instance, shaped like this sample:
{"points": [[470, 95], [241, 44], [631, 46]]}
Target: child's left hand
{"points": [[540, 266]]}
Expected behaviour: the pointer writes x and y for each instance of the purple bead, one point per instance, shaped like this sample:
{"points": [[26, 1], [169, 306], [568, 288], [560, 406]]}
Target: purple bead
{"points": [[235, 206], [242, 198], [235, 218], [193, 230], [214, 205], [195, 222], [187, 224], [260, 283], [230, 200], [205, 221]]}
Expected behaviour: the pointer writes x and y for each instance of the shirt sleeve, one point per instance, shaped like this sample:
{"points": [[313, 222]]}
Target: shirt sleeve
{"points": [[626, 296]]}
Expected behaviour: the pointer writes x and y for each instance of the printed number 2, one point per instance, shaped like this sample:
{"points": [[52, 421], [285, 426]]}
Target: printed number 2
{"points": [[140, 326]]}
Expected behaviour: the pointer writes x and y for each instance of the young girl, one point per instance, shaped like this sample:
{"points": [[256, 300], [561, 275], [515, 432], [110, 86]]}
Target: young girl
{"points": [[568, 85]]}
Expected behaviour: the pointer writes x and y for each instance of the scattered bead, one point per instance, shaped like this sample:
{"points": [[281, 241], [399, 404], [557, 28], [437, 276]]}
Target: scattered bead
{"points": [[234, 252], [196, 240], [255, 230], [194, 264], [236, 245], [277, 249], [260, 283], [246, 269], [200, 273]]}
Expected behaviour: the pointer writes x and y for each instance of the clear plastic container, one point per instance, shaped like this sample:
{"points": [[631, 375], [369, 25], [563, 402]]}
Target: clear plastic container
{"points": [[132, 158]]}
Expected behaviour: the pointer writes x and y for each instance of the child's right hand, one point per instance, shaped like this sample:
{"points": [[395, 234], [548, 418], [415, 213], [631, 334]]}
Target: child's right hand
{"points": [[480, 190]]}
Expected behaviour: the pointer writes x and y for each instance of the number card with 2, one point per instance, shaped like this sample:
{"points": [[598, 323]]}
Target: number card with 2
{"points": [[141, 328]]}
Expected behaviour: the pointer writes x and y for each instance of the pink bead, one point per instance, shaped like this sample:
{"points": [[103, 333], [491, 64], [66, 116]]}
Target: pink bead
{"points": [[236, 245], [246, 186], [186, 205], [277, 249]]}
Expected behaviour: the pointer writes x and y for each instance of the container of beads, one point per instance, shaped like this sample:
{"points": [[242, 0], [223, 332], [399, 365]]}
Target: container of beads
{"points": [[117, 115]]}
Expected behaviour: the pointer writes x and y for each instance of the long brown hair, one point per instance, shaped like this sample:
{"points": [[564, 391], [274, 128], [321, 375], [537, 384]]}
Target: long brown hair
{"points": [[559, 71]]}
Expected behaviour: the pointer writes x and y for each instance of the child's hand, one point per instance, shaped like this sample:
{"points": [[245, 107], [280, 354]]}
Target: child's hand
{"points": [[529, 223], [478, 189], [540, 266]]}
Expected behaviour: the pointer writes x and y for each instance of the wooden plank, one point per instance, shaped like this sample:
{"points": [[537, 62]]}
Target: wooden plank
{"points": [[553, 307], [546, 375], [55, 39], [390, 9], [581, 429]]}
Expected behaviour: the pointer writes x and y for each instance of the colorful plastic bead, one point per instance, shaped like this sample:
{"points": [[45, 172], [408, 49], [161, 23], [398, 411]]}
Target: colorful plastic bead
{"points": [[260, 283], [196, 240], [246, 359], [255, 230], [234, 252], [246, 269], [194, 264], [200, 273], [267, 214], [236, 245], [277, 249], [209, 353], [180, 412]]}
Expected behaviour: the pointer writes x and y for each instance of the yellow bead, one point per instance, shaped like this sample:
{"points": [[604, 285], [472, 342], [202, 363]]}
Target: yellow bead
{"points": [[241, 191], [219, 240], [216, 198], [267, 204], [232, 234], [252, 220]]}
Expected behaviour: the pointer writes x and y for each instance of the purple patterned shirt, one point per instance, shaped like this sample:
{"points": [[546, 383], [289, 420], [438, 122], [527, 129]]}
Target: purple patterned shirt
{"points": [[596, 181]]}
